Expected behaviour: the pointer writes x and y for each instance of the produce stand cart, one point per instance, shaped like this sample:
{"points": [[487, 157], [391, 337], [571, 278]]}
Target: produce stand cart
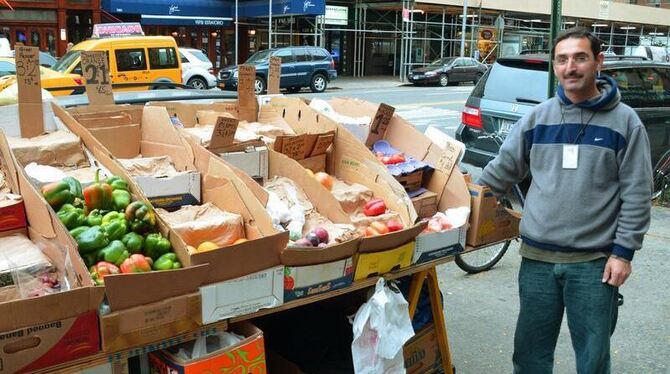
{"points": [[420, 273]]}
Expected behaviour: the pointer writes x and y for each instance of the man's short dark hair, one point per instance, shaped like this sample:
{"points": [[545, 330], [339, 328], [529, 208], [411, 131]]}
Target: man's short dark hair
{"points": [[578, 33]]}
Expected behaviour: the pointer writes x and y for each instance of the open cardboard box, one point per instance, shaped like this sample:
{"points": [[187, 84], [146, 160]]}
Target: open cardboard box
{"points": [[220, 186], [490, 221], [48, 330], [350, 161]]}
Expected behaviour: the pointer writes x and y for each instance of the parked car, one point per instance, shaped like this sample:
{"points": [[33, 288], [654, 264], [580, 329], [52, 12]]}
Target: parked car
{"points": [[447, 70], [51, 80], [306, 66], [197, 70], [514, 85]]}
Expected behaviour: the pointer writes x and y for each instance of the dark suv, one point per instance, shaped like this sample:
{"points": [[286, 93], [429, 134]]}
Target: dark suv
{"points": [[514, 85], [311, 67]]}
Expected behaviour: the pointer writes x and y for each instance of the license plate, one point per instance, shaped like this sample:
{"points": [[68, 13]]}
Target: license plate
{"points": [[505, 126]]}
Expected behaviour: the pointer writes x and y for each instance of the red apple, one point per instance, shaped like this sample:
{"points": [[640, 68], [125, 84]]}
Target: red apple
{"points": [[322, 234]]}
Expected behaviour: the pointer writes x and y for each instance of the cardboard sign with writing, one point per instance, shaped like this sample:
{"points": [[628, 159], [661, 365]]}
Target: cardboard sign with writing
{"points": [[274, 75], [224, 132], [322, 144], [31, 116], [294, 147], [379, 123], [95, 66], [245, 92]]}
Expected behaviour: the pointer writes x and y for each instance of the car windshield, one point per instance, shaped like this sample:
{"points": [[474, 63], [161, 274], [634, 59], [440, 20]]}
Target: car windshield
{"points": [[200, 56], [66, 61], [259, 56], [442, 61], [502, 82]]}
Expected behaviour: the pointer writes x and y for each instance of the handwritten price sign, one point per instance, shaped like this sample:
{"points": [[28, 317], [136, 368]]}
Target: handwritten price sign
{"points": [[95, 67], [31, 115], [28, 66]]}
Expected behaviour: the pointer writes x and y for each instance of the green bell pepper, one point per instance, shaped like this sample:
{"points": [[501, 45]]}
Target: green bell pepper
{"points": [[75, 186], [94, 218], [133, 242], [120, 199], [117, 183], [167, 261], [57, 194], [71, 217], [115, 252], [91, 240], [113, 216], [141, 217], [90, 259], [115, 229], [156, 245], [76, 231]]}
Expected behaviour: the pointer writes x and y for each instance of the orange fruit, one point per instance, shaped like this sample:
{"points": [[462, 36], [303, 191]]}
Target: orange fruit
{"points": [[207, 246]]}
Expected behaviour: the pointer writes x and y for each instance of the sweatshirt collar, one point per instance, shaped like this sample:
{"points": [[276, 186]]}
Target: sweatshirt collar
{"points": [[609, 95]]}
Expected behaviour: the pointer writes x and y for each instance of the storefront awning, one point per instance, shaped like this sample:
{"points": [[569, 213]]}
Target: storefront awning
{"points": [[280, 8], [202, 9], [152, 19]]}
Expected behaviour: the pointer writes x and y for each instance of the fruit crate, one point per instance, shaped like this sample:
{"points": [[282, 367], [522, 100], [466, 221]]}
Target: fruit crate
{"points": [[411, 181]]}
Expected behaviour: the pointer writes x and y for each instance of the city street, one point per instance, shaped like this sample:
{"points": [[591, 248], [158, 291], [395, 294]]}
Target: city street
{"points": [[481, 309]]}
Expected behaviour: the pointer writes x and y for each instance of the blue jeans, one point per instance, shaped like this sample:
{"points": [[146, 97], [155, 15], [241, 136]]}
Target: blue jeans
{"points": [[545, 291]]}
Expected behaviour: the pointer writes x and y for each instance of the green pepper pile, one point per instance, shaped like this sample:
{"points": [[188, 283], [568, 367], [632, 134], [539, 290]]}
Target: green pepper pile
{"points": [[110, 229]]}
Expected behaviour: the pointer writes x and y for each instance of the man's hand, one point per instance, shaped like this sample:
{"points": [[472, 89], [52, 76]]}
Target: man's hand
{"points": [[616, 271]]}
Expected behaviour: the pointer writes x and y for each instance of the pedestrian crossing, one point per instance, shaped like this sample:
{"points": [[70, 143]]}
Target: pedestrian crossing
{"points": [[421, 117]]}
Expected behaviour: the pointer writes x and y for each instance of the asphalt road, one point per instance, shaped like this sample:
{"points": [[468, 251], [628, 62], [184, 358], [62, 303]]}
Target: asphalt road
{"points": [[481, 309]]}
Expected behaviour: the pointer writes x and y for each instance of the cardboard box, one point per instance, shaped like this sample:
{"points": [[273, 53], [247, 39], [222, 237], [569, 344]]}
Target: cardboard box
{"points": [[244, 295], [303, 281], [247, 356], [422, 353], [220, 186], [150, 323], [171, 192], [253, 161], [378, 263], [489, 221], [436, 245], [351, 161], [49, 343], [411, 181], [315, 164], [48, 330], [12, 213], [425, 204]]}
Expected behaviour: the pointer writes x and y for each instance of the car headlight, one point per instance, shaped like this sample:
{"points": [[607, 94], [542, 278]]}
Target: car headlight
{"points": [[235, 73], [431, 74]]}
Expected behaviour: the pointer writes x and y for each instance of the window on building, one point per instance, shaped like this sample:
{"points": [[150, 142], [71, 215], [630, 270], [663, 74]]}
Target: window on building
{"points": [[163, 58], [130, 59]]}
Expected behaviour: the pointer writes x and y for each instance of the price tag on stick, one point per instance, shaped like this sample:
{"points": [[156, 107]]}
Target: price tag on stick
{"points": [[274, 75], [224, 132], [31, 116], [95, 67]]}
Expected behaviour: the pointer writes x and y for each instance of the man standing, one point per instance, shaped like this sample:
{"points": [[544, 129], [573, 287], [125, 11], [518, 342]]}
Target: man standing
{"points": [[587, 209]]}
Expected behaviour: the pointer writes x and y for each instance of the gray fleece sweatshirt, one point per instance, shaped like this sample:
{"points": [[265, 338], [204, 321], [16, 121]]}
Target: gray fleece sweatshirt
{"points": [[603, 205]]}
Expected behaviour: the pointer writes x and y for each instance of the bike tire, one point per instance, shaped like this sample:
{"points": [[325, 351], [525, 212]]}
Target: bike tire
{"points": [[661, 176], [492, 254]]}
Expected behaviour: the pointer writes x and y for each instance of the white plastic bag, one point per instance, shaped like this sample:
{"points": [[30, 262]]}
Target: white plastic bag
{"points": [[381, 328]]}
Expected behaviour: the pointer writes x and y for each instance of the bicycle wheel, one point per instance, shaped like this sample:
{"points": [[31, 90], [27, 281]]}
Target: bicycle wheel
{"points": [[485, 258], [661, 175]]}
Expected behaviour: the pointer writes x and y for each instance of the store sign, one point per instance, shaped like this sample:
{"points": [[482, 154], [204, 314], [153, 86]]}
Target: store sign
{"points": [[109, 30], [604, 9], [336, 15]]}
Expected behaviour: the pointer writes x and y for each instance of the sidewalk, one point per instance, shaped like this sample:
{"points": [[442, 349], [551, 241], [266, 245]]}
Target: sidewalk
{"points": [[375, 81]]}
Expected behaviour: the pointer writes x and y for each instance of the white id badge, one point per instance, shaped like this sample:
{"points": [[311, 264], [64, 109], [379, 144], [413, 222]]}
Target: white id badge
{"points": [[570, 156]]}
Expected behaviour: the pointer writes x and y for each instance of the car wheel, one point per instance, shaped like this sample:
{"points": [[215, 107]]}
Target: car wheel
{"points": [[198, 83], [319, 83], [259, 86], [444, 80], [477, 78]]}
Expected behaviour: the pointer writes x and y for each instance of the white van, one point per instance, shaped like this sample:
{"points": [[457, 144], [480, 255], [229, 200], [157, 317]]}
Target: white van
{"points": [[661, 54]]}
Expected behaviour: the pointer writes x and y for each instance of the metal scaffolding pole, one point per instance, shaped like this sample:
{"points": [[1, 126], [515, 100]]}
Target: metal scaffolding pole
{"points": [[442, 35], [395, 43], [365, 18], [411, 35], [465, 17], [402, 46], [556, 8], [269, 24], [355, 60], [237, 36]]}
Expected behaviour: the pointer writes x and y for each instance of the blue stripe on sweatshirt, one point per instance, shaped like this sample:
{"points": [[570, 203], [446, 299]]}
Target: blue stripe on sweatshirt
{"points": [[598, 136]]}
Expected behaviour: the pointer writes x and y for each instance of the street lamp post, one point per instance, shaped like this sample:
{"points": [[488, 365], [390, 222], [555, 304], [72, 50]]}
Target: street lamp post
{"points": [[465, 17]]}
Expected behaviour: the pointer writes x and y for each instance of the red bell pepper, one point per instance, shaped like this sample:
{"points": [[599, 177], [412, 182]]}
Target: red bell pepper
{"points": [[98, 195], [136, 263], [102, 269], [374, 207]]}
